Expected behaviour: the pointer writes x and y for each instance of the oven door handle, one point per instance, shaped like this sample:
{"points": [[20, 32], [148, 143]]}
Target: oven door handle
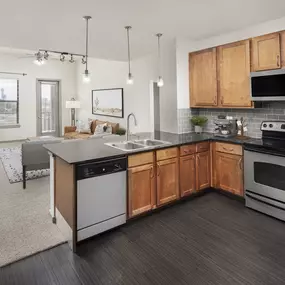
{"points": [[265, 151], [264, 202]]}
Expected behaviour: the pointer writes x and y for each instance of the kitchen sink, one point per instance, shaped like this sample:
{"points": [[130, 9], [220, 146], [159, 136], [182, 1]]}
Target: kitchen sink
{"points": [[127, 146], [149, 142]]}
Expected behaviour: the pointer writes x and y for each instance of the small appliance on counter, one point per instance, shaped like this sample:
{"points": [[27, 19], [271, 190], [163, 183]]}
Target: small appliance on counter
{"points": [[225, 127], [264, 170]]}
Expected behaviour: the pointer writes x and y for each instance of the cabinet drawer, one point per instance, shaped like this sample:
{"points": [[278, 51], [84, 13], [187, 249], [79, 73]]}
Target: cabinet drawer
{"points": [[229, 148], [203, 146], [166, 153], [187, 149], [140, 159]]}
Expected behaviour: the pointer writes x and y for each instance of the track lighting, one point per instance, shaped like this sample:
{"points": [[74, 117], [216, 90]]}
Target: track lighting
{"points": [[86, 74], [130, 78]]}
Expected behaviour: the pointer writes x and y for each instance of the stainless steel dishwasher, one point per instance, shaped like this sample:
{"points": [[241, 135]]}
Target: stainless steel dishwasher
{"points": [[101, 196]]}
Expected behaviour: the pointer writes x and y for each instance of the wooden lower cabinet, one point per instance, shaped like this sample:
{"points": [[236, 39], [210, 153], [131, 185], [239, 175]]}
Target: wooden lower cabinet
{"points": [[203, 170], [141, 189], [167, 181], [229, 172], [187, 175]]}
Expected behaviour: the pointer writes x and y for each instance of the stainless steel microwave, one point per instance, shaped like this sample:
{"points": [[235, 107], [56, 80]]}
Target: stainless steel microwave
{"points": [[268, 85]]}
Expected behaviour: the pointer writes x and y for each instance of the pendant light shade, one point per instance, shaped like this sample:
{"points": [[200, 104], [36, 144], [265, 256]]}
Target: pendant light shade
{"points": [[160, 82], [130, 78], [86, 75]]}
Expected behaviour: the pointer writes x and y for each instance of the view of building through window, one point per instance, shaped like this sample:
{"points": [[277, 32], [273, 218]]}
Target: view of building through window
{"points": [[9, 101]]}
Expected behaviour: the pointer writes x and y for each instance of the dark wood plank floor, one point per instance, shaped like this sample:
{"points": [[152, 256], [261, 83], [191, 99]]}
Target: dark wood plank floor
{"points": [[210, 240]]}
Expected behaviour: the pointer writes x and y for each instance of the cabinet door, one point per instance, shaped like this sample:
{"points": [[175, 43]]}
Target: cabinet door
{"points": [[167, 181], [266, 52], [229, 171], [187, 175], [203, 78], [234, 75], [141, 189], [203, 171]]}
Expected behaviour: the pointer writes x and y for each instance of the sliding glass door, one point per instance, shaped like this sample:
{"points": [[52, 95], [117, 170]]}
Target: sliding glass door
{"points": [[47, 108]]}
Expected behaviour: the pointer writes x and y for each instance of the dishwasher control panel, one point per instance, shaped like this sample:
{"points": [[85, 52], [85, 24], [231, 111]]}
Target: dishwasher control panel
{"points": [[93, 169]]}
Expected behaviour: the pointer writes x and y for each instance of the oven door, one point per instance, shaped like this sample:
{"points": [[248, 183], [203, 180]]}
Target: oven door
{"points": [[264, 175]]}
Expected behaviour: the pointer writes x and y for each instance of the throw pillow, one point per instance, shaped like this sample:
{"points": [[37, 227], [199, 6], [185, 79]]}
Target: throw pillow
{"points": [[99, 129]]}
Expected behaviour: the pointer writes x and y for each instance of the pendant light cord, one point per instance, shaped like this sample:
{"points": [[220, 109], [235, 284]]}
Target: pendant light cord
{"points": [[158, 53], [87, 18], [86, 64], [129, 49]]}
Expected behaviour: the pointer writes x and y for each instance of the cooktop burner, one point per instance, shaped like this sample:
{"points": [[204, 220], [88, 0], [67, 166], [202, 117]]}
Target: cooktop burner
{"points": [[273, 138]]}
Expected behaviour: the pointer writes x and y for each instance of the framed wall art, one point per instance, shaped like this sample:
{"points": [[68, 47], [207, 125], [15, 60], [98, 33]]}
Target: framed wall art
{"points": [[108, 102]]}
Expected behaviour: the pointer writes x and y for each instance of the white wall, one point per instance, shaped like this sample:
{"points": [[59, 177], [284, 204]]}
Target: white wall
{"points": [[168, 93], [112, 74], [66, 73], [185, 46]]}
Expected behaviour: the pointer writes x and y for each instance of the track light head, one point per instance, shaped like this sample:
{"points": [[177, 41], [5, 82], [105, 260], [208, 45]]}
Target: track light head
{"points": [[83, 61], [46, 55], [71, 59], [39, 58], [62, 57]]}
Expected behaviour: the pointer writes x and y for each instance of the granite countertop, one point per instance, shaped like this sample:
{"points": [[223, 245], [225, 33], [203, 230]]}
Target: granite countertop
{"points": [[95, 149]]}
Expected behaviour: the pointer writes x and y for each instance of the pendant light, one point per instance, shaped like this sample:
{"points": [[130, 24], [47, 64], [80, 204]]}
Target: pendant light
{"points": [[86, 74], [130, 78], [160, 82]]}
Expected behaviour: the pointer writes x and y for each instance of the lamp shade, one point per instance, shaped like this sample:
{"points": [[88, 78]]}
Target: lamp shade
{"points": [[73, 104]]}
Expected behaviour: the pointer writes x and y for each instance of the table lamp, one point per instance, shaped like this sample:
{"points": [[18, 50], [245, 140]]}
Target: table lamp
{"points": [[72, 104]]}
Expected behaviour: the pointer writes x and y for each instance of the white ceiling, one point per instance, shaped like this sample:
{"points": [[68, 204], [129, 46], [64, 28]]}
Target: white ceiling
{"points": [[58, 24]]}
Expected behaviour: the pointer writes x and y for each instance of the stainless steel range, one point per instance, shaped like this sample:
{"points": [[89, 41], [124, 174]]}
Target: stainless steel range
{"points": [[264, 170]]}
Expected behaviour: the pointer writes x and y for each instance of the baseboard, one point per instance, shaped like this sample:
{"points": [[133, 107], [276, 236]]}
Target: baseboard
{"points": [[229, 195]]}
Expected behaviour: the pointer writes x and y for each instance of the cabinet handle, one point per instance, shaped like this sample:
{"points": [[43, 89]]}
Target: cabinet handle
{"points": [[158, 169], [151, 172], [215, 101], [240, 164], [278, 60], [231, 149]]}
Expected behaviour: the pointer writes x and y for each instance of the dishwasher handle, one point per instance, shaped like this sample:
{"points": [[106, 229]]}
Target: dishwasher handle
{"points": [[90, 170]]}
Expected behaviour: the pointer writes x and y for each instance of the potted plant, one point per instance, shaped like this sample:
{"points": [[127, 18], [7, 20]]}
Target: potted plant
{"points": [[121, 131], [199, 122]]}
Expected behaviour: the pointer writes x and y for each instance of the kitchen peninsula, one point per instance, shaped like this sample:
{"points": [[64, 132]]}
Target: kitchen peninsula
{"points": [[147, 178]]}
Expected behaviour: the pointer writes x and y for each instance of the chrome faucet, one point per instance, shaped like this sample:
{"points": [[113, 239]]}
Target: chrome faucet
{"points": [[128, 124]]}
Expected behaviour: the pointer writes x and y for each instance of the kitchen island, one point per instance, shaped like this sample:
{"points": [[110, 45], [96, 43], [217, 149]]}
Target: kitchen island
{"points": [[156, 176]]}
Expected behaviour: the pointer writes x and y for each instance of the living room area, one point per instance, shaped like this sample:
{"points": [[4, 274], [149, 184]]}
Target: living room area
{"points": [[44, 98]]}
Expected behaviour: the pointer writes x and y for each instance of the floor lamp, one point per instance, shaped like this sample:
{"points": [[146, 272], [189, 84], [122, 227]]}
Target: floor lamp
{"points": [[72, 104]]}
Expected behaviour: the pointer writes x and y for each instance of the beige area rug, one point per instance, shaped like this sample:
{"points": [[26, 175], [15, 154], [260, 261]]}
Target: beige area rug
{"points": [[25, 223]]}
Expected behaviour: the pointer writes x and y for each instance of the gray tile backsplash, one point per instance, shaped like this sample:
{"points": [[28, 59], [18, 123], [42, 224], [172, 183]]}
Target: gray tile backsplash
{"points": [[253, 117]]}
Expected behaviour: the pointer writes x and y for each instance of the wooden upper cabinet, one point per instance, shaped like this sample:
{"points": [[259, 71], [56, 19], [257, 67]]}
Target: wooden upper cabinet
{"points": [[203, 170], [266, 52], [167, 181], [234, 74], [187, 175], [141, 189], [229, 171], [203, 78]]}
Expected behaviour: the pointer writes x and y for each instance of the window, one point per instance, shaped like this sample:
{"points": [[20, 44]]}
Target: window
{"points": [[9, 102]]}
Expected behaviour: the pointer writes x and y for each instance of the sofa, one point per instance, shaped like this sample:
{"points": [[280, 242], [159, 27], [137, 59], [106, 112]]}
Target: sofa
{"points": [[71, 133], [35, 156]]}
